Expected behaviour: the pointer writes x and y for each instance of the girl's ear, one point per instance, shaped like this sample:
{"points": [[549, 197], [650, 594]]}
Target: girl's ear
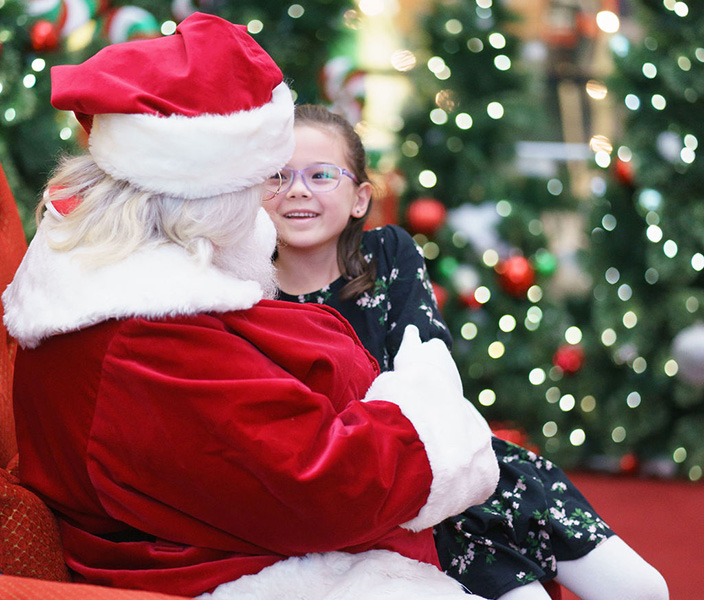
{"points": [[361, 203]]}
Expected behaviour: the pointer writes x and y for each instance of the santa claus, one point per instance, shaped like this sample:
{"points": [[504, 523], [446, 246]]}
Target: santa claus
{"points": [[193, 436]]}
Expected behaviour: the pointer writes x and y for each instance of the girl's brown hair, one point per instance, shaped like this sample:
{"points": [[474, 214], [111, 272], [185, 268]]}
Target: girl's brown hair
{"points": [[359, 273]]}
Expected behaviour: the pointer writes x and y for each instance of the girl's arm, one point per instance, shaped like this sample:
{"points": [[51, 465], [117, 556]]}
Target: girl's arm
{"points": [[411, 296]]}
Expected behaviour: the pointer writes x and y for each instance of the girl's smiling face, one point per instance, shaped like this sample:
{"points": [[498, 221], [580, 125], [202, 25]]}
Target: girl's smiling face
{"points": [[308, 220]]}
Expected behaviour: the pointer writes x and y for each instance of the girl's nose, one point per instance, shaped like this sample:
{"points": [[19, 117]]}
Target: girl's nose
{"points": [[298, 187]]}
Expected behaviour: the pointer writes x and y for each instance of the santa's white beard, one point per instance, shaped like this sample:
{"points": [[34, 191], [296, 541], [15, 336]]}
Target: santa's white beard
{"points": [[251, 257]]}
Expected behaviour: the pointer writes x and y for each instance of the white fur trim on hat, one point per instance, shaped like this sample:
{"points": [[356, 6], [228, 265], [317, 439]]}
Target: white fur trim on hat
{"points": [[196, 157]]}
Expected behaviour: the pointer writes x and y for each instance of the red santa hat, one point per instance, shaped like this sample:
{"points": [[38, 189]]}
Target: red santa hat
{"points": [[199, 113]]}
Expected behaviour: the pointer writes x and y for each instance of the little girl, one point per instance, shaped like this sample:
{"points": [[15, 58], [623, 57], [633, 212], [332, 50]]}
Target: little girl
{"points": [[537, 526]]}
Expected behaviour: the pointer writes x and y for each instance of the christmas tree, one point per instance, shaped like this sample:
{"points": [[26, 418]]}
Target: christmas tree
{"points": [[647, 249], [37, 34]]}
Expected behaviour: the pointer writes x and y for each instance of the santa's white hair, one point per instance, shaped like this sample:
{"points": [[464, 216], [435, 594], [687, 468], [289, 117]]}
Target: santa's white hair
{"points": [[114, 219]]}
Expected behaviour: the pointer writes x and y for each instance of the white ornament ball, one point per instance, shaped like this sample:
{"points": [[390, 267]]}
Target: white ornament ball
{"points": [[183, 8], [669, 146], [688, 351], [78, 13], [465, 279]]}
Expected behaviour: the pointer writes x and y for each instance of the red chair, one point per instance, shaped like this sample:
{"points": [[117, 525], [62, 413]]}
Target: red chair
{"points": [[12, 249], [21, 588]]}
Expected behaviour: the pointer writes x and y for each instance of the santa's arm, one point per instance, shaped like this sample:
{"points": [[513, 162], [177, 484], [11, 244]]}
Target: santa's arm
{"points": [[197, 435]]}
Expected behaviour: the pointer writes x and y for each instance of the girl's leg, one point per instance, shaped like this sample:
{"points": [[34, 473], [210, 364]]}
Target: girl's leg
{"points": [[612, 570], [530, 591]]}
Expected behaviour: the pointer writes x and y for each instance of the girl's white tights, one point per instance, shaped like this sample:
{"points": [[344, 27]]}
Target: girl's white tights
{"points": [[612, 571], [530, 591]]}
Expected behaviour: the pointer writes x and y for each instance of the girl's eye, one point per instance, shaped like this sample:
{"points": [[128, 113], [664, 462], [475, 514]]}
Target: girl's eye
{"points": [[323, 173]]}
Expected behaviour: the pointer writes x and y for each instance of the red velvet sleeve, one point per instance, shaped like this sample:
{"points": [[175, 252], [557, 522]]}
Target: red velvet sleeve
{"points": [[199, 434]]}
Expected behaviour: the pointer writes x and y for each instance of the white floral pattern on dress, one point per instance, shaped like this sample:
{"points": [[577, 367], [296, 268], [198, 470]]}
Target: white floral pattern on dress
{"points": [[471, 553]]}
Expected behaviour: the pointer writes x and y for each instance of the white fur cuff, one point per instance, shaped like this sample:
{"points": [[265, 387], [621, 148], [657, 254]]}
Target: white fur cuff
{"points": [[456, 437]]}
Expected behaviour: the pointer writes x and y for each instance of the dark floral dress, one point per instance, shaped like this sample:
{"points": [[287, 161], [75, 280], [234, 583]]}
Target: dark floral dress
{"points": [[402, 295], [536, 516]]}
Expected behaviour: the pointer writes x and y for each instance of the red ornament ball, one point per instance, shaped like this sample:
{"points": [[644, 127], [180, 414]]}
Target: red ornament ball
{"points": [[624, 172], [509, 432], [44, 36], [515, 275], [628, 463], [469, 300], [516, 435], [569, 359], [440, 295], [426, 215]]}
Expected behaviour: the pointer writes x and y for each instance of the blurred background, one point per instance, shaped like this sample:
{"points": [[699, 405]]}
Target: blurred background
{"points": [[543, 153]]}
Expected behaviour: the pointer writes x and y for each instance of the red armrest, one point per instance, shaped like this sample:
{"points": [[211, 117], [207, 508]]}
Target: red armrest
{"points": [[30, 545], [22, 588]]}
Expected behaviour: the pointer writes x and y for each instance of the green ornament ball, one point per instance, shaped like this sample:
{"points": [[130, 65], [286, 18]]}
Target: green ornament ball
{"points": [[447, 266], [544, 262]]}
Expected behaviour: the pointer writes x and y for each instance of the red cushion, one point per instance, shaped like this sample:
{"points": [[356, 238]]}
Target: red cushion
{"points": [[20, 588], [30, 545]]}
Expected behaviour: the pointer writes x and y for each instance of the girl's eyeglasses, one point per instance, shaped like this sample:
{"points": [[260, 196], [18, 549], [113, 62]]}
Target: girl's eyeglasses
{"points": [[317, 178]]}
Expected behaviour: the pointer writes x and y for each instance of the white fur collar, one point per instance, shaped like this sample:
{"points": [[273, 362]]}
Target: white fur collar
{"points": [[53, 293]]}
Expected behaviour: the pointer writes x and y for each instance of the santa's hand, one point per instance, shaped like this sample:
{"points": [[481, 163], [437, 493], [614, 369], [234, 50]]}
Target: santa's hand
{"points": [[433, 355]]}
